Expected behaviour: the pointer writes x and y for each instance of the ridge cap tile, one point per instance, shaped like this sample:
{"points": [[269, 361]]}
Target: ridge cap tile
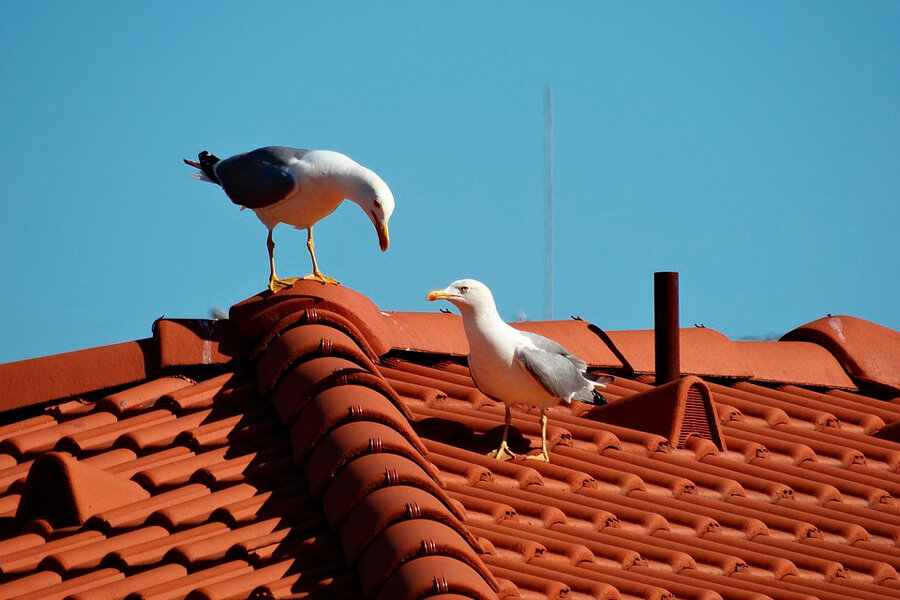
{"points": [[194, 342], [351, 440], [389, 505], [704, 352], [431, 575], [73, 373], [409, 540], [800, 363], [321, 318], [868, 351], [319, 379], [258, 314]]}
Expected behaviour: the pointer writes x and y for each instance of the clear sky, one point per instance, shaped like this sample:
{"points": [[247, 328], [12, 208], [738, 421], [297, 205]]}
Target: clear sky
{"points": [[753, 147]]}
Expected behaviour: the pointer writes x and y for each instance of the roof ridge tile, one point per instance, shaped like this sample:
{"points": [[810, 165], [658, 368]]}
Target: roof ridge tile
{"points": [[868, 351], [74, 373], [410, 540], [325, 387]]}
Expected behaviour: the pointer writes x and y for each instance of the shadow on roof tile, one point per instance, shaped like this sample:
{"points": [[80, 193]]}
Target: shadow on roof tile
{"points": [[66, 492]]}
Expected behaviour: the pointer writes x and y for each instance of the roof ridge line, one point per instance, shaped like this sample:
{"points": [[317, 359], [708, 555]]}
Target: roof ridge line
{"points": [[353, 437]]}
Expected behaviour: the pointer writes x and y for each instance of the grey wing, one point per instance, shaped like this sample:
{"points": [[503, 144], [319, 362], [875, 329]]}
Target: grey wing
{"points": [[555, 372], [549, 345], [259, 178]]}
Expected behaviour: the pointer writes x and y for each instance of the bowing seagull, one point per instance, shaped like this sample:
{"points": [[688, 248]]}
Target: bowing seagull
{"points": [[299, 188], [516, 367]]}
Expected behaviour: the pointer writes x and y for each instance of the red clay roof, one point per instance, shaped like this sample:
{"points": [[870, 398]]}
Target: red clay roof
{"points": [[868, 351], [313, 446]]}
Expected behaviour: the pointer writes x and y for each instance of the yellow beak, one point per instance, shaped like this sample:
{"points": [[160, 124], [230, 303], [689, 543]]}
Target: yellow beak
{"points": [[438, 295], [384, 239]]}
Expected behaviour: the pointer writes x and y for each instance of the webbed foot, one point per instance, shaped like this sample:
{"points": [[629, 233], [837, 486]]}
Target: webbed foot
{"points": [[543, 456], [318, 276], [276, 284], [502, 453]]}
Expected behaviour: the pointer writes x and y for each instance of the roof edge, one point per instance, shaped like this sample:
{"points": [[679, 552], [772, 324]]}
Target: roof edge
{"points": [[37, 380]]}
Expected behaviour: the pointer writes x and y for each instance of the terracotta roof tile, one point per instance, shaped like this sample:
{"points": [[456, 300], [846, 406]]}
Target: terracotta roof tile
{"points": [[868, 351], [798, 363], [40, 580], [193, 342], [439, 333], [36, 441], [129, 584], [152, 551], [179, 587], [703, 352], [340, 454], [85, 557], [73, 373], [26, 559], [84, 583], [581, 339], [67, 492]]}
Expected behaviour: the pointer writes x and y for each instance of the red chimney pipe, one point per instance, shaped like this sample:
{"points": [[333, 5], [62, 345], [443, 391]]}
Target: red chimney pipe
{"points": [[666, 327]]}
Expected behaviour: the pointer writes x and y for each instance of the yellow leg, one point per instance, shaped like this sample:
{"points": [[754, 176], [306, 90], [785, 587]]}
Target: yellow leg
{"points": [[503, 452], [545, 454], [276, 284], [316, 274]]}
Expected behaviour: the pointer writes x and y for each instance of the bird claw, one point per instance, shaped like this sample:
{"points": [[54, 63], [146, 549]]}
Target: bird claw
{"points": [[502, 453], [276, 284], [320, 278]]}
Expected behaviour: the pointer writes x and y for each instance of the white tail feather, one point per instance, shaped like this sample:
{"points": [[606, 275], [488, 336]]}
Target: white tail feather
{"points": [[601, 382], [201, 176]]}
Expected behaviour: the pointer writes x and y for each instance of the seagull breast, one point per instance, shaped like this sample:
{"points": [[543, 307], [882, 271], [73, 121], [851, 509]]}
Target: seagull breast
{"points": [[494, 361]]}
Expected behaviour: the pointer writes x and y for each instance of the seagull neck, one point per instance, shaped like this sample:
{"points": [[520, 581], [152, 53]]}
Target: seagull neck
{"points": [[355, 184], [483, 319]]}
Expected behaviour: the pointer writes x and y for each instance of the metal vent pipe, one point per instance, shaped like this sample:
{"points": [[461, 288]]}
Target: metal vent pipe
{"points": [[666, 326]]}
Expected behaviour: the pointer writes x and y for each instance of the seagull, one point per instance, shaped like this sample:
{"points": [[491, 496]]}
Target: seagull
{"points": [[299, 188], [516, 367]]}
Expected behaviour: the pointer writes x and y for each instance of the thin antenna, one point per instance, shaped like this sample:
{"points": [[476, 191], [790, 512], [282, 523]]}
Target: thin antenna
{"points": [[548, 200]]}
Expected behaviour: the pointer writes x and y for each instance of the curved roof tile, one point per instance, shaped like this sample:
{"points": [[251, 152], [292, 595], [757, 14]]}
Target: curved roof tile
{"points": [[868, 351]]}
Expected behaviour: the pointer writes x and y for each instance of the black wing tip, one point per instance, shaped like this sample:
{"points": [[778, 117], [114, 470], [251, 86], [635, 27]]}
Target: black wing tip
{"points": [[599, 400]]}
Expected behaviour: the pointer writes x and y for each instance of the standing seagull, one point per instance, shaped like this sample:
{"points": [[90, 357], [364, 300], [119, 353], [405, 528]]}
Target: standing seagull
{"points": [[516, 367], [298, 187]]}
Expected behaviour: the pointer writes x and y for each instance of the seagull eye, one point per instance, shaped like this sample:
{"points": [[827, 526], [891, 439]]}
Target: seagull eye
{"points": [[378, 204], [463, 289]]}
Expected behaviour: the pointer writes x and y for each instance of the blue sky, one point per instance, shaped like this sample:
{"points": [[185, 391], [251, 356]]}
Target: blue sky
{"points": [[753, 147]]}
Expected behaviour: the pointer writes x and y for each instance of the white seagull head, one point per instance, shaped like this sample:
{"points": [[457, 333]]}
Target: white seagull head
{"points": [[468, 295], [377, 201]]}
